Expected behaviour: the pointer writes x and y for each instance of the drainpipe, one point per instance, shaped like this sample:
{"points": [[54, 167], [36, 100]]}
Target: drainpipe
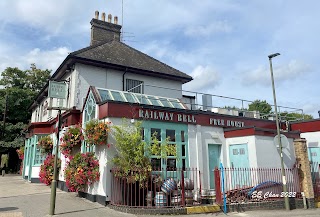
{"points": [[125, 72]]}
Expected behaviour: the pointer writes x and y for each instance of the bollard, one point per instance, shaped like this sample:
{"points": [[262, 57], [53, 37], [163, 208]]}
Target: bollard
{"points": [[304, 200]]}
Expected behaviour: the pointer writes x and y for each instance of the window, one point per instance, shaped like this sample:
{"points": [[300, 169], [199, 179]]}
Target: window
{"points": [[134, 86], [175, 136], [89, 109], [235, 152], [39, 157], [88, 114], [45, 108]]}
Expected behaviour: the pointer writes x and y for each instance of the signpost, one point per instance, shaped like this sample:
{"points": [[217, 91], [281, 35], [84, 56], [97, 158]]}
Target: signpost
{"points": [[56, 90]]}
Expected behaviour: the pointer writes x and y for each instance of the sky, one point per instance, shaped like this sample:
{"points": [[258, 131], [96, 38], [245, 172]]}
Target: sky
{"points": [[223, 45]]}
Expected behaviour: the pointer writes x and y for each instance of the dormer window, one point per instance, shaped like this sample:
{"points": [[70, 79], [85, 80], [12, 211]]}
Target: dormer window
{"points": [[134, 86]]}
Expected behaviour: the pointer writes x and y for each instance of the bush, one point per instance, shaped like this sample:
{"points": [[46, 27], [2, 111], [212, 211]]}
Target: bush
{"points": [[130, 161], [81, 170]]}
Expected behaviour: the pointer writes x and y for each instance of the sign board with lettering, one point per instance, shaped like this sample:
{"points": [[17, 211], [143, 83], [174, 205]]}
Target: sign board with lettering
{"points": [[57, 90], [284, 141]]}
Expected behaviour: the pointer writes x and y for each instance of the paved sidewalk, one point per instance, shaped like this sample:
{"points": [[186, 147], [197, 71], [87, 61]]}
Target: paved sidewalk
{"points": [[20, 198]]}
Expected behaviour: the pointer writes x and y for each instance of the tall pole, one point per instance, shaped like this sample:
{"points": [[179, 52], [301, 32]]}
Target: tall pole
{"points": [[5, 115], [286, 199], [54, 180]]}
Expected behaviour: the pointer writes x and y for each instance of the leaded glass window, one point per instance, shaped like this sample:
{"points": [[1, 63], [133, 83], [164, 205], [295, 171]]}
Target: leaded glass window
{"points": [[88, 115], [89, 109]]}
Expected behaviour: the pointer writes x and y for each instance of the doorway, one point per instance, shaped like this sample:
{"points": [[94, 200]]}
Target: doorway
{"points": [[214, 152]]}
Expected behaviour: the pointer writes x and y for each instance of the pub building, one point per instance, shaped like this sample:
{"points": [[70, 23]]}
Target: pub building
{"points": [[110, 80]]}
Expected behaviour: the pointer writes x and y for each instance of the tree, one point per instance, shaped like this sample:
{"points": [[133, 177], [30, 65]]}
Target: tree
{"points": [[13, 77], [260, 105], [20, 88], [37, 78], [295, 116]]}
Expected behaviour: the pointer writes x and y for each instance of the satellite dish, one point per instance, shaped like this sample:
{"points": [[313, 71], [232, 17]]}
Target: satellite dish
{"points": [[284, 141]]}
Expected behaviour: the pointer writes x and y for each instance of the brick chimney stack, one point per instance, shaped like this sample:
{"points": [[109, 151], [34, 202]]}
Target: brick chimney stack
{"points": [[104, 31]]}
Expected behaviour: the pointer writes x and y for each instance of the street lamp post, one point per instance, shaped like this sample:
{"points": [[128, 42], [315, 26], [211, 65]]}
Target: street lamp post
{"points": [[286, 199]]}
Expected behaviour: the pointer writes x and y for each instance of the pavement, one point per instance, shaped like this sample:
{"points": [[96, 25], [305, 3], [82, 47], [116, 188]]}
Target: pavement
{"points": [[19, 198]]}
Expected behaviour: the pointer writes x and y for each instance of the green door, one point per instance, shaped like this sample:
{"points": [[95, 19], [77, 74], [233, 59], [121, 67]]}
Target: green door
{"points": [[239, 161], [214, 151]]}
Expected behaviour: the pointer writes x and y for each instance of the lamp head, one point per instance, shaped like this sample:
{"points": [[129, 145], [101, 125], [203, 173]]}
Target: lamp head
{"points": [[273, 55]]}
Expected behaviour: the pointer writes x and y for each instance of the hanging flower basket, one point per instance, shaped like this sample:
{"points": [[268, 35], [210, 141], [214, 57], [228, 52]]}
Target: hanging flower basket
{"points": [[81, 170], [71, 138], [96, 133], [46, 169], [20, 152], [46, 144]]}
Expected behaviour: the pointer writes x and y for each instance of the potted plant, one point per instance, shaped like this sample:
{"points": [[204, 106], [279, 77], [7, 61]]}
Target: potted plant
{"points": [[71, 138], [81, 170], [96, 133], [45, 144]]}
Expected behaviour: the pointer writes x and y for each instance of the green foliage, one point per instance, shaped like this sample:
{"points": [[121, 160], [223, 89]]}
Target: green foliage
{"points": [[13, 77], [260, 105], [32, 79], [232, 108], [13, 135], [130, 160], [37, 78], [20, 89], [295, 116], [162, 150]]}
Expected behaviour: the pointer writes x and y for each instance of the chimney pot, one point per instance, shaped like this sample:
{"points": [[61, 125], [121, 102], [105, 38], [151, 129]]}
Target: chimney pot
{"points": [[115, 20], [109, 18], [97, 14], [103, 16]]}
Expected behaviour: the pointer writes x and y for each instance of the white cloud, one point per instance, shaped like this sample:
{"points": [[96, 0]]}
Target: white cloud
{"points": [[44, 59], [261, 75], [205, 77], [207, 30], [312, 109], [49, 59]]}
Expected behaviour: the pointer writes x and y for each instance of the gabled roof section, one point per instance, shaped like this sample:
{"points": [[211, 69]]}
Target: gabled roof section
{"points": [[117, 53]]}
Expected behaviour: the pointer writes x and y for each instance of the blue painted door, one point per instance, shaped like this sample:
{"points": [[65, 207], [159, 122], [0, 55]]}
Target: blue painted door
{"points": [[239, 162], [314, 157], [214, 161]]}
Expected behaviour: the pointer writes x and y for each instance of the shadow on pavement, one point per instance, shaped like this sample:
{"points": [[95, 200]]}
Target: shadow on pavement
{"points": [[75, 211], [8, 209]]}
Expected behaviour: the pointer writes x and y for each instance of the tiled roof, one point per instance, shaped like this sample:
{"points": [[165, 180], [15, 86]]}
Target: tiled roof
{"points": [[118, 53]]}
